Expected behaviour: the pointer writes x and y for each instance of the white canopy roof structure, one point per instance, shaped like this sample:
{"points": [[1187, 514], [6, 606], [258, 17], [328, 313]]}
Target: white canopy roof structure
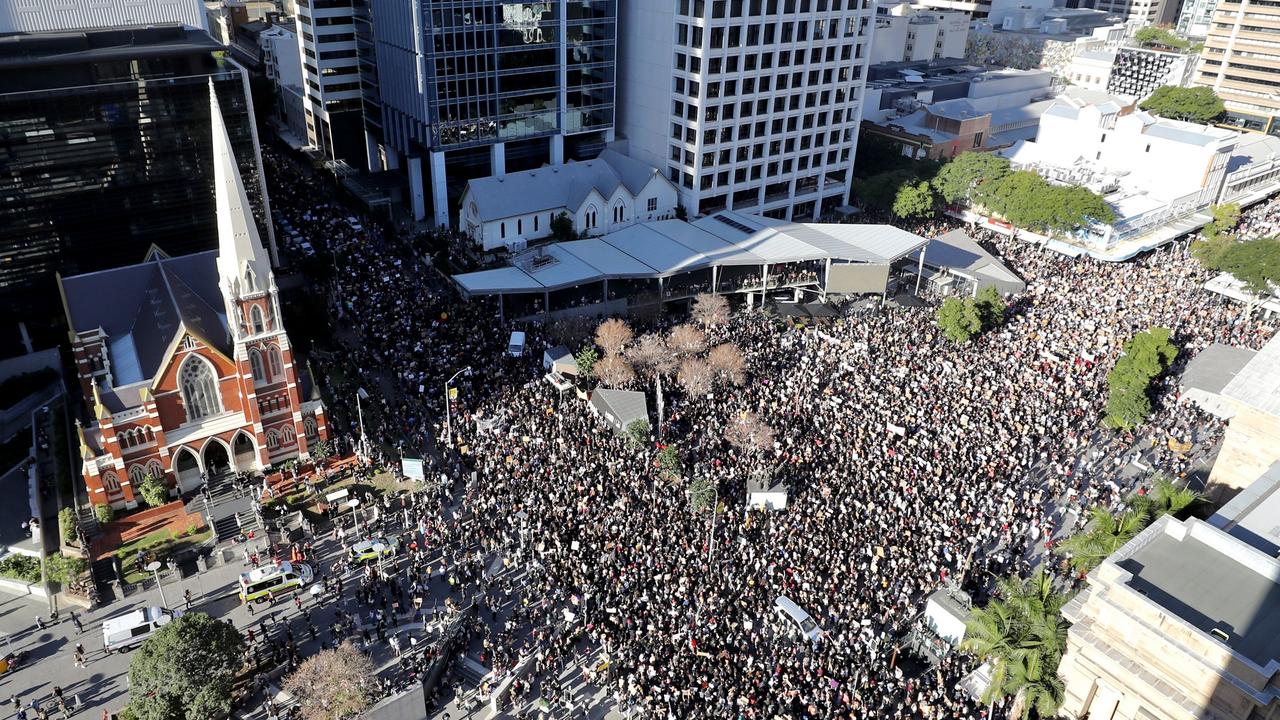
{"points": [[669, 247]]}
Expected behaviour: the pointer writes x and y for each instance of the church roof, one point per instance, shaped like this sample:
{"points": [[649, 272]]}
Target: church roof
{"points": [[557, 186], [142, 308]]}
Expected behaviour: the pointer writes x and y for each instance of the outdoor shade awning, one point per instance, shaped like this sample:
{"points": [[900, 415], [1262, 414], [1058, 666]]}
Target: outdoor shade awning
{"points": [[818, 309], [671, 247]]}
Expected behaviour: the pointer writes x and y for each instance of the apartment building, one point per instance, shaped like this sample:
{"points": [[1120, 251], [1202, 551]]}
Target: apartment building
{"points": [[907, 33], [1241, 62], [751, 105], [331, 77]]}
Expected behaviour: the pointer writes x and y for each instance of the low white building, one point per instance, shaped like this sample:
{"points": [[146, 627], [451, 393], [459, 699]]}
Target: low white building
{"points": [[1091, 69], [907, 33], [600, 196], [1158, 175]]}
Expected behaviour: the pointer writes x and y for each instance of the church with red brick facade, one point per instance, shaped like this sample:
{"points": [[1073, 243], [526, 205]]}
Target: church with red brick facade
{"points": [[184, 361]]}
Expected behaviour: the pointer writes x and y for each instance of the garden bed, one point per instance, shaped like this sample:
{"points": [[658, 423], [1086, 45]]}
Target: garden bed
{"points": [[159, 545]]}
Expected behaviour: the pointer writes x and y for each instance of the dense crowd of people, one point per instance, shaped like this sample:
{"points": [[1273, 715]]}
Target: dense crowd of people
{"points": [[909, 461]]}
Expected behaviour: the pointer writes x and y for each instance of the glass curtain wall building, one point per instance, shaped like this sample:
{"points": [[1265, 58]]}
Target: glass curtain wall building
{"points": [[105, 151], [471, 88]]}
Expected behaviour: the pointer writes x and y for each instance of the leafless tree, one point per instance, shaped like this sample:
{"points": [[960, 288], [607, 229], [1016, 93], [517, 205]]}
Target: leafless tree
{"points": [[727, 362], [710, 310], [686, 340], [695, 376], [331, 685], [613, 336], [748, 432], [613, 371], [651, 357]]}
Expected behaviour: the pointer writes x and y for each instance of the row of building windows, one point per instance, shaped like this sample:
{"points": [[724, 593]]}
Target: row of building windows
{"points": [[769, 171], [135, 437], [755, 8], [751, 36], [274, 362]]}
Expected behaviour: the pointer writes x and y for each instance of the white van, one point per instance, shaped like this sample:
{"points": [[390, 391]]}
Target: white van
{"points": [[515, 346], [794, 617], [127, 631], [262, 583]]}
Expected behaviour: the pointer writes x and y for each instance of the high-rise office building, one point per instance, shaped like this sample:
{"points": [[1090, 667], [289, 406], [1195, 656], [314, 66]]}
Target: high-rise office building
{"points": [[1195, 17], [105, 151], [1148, 12], [752, 105], [1241, 62], [475, 88], [331, 77]]}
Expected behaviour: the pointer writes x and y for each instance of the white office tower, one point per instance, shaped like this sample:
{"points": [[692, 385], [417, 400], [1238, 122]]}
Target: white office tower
{"points": [[751, 105]]}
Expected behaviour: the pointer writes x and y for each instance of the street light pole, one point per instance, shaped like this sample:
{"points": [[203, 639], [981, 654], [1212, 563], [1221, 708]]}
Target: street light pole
{"points": [[448, 409], [364, 441], [154, 567]]}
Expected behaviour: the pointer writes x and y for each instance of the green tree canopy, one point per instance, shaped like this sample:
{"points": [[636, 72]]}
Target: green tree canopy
{"points": [[957, 181], [1028, 201], [1022, 634], [1256, 263], [585, 359], [1146, 356], [915, 200], [991, 307], [1197, 104], [562, 227], [154, 491], [186, 670], [1159, 37], [1103, 535], [879, 192], [959, 319]]}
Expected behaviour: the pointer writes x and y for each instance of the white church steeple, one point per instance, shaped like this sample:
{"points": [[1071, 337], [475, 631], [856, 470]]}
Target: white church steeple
{"points": [[243, 265]]}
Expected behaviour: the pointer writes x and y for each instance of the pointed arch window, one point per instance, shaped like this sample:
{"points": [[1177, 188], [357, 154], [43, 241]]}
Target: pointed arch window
{"points": [[273, 439], [250, 283], [136, 474], [309, 427], [619, 212], [277, 362], [111, 483], [255, 365], [154, 468], [259, 323], [289, 434], [199, 388]]}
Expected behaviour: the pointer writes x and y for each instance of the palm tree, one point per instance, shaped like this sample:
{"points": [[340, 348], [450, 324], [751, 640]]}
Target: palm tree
{"points": [[1104, 534], [1172, 499], [1022, 635]]}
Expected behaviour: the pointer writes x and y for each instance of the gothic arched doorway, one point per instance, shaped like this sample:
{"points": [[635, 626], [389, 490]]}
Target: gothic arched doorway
{"points": [[186, 468], [216, 459], [244, 452]]}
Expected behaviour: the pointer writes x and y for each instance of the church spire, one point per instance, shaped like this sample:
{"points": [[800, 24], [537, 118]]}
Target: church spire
{"points": [[243, 265]]}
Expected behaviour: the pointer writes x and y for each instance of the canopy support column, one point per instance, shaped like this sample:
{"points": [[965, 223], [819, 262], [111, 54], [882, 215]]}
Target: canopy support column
{"points": [[920, 270]]}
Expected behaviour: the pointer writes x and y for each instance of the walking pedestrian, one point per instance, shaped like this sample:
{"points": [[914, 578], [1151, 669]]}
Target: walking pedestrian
{"points": [[76, 619]]}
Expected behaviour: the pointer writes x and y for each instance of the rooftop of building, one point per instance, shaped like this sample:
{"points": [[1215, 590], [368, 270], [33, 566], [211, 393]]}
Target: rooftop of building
{"points": [[557, 186], [1257, 385], [1210, 580], [20, 50], [669, 247], [149, 303], [1214, 367], [1253, 515], [1253, 148], [1071, 23]]}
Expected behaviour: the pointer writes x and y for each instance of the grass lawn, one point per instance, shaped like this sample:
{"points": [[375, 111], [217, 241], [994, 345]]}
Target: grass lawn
{"points": [[159, 545]]}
